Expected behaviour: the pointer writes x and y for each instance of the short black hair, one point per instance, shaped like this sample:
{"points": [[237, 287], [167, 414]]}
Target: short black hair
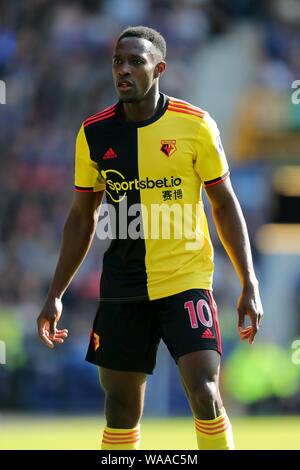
{"points": [[146, 33]]}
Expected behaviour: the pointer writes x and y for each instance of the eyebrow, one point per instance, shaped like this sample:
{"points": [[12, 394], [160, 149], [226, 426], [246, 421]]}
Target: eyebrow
{"points": [[140, 56]]}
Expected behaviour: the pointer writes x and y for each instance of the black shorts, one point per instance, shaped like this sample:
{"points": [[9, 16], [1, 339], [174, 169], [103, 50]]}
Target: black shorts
{"points": [[126, 336]]}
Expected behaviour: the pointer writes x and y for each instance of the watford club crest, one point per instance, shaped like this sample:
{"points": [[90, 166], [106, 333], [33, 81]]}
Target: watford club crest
{"points": [[96, 340], [168, 147]]}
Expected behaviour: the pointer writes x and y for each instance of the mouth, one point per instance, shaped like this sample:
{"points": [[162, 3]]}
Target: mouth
{"points": [[124, 85]]}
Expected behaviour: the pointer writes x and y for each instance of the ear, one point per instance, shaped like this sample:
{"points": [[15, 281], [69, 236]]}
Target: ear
{"points": [[159, 69]]}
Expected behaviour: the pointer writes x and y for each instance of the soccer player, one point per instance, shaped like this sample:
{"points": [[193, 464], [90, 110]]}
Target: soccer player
{"points": [[152, 151]]}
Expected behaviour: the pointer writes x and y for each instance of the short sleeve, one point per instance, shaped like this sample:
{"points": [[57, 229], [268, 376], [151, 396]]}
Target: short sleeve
{"points": [[87, 176], [211, 163]]}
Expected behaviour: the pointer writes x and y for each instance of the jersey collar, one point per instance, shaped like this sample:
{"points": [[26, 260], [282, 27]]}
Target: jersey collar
{"points": [[163, 105]]}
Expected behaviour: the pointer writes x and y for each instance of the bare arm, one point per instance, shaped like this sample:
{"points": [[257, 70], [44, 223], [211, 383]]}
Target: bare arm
{"points": [[232, 230], [77, 237]]}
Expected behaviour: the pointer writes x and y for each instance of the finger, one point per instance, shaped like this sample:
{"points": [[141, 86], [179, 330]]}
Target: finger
{"points": [[60, 335], [247, 328], [243, 331], [252, 336], [61, 332], [43, 333], [243, 339], [57, 340], [260, 317], [41, 325], [45, 338], [63, 336], [245, 336]]}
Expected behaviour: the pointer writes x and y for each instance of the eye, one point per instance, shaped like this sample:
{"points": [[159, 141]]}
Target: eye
{"points": [[138, 61], [117, 61]]}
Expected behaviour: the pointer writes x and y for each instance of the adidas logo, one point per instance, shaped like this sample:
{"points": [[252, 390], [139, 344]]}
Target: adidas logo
{"points": [[208, 334], [110, 153]]}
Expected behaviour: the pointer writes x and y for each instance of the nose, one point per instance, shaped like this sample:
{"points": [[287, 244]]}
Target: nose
{"points": [[124, 69]]}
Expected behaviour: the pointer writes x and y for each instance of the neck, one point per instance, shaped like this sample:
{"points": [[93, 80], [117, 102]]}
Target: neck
{"points": [[144, 109]]}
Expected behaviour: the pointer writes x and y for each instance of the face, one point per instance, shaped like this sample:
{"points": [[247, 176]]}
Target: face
{"points": [[137, 65]]}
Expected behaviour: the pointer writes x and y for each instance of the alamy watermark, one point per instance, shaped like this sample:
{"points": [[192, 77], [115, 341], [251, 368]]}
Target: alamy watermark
{"points": [[2, 353], [296, 353], [296, 94], [2, 92], [155, 222]]}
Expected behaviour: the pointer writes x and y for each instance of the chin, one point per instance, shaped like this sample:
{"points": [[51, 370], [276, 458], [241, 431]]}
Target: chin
{"points": [[129, 99]]}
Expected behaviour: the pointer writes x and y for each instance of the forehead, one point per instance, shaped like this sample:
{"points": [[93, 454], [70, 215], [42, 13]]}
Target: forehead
{"points": [[135, 46]]}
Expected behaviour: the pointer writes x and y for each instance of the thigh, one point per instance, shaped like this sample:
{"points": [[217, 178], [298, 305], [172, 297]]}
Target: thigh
{"points": [[128, 385], [189, 323], [125, 337]]}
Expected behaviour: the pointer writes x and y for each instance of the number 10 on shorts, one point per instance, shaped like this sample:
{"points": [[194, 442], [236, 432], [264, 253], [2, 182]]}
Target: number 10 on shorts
{"points": [[197, 313]]}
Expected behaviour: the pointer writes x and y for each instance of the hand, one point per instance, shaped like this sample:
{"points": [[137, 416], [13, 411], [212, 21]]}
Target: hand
{"points": [[47, 321], [249, 304]]}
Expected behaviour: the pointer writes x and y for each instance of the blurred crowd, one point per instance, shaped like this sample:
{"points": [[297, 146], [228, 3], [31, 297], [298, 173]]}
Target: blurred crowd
{"points": [[279, 63], [271, 124], [55, 58]]}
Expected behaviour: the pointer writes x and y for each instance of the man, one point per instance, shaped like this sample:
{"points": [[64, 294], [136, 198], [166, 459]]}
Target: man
{"points": [[151, 151]]}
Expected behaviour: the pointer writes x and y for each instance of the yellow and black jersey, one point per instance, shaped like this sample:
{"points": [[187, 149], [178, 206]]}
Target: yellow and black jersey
{"points": [[153, 172]]}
